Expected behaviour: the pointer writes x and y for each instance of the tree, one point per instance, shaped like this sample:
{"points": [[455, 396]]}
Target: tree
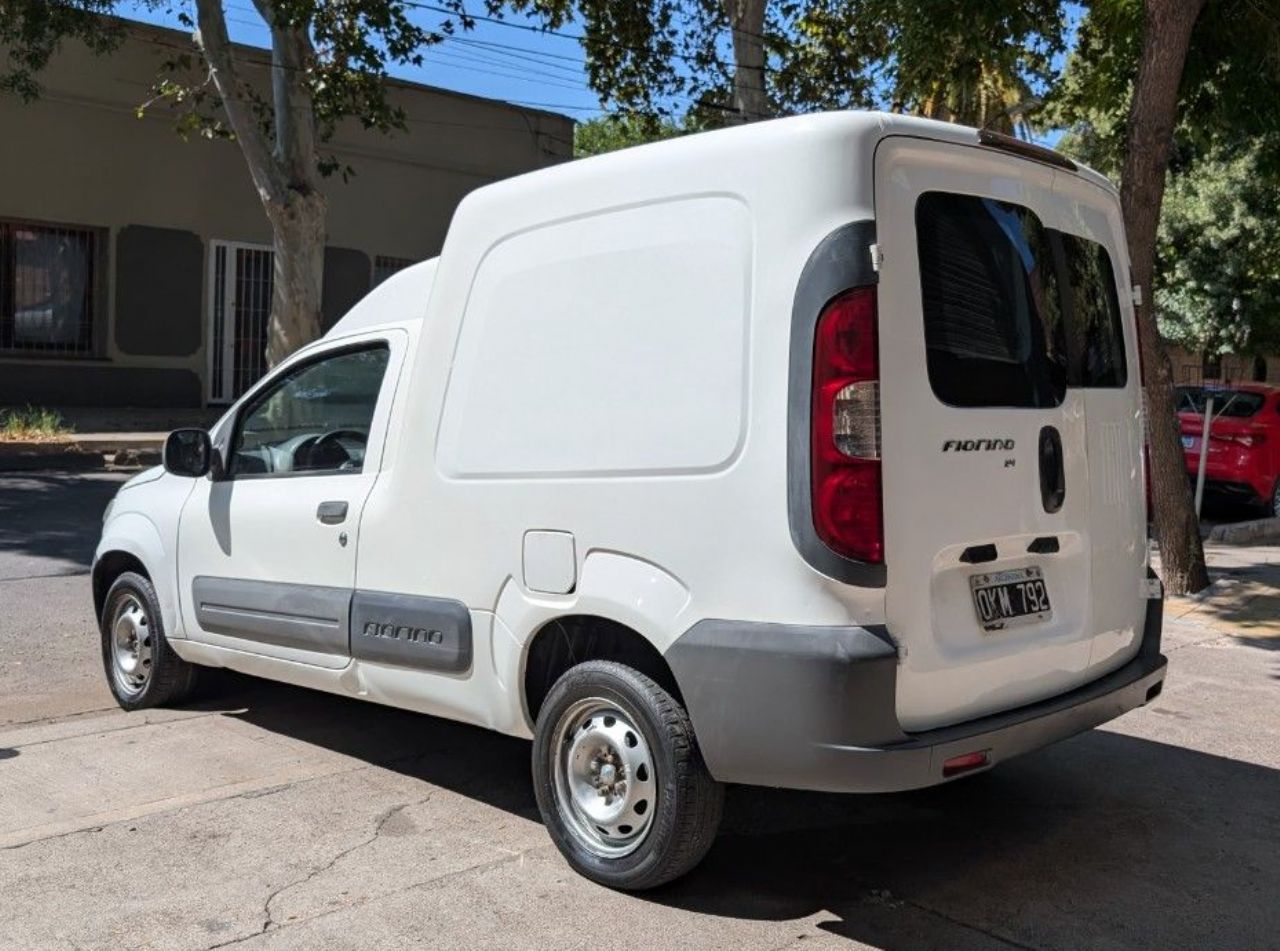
{"points": [[328, 63], [1153, 112], [728, 61], [1146, 76], [1218, 280], [611, 132]]}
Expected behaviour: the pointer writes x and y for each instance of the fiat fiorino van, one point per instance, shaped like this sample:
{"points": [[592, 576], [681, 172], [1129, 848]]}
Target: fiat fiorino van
{"points": [[804, 454]]}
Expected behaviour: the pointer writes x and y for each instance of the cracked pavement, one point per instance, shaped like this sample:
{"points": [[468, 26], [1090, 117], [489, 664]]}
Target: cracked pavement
{"points": [[264, 816]]}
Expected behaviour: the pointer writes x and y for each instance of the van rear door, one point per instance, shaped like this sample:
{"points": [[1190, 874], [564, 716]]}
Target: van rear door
{"points": [[1013, 500]]}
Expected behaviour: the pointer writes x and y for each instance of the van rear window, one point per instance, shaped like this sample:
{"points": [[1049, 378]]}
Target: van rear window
{"points": [[1097, 339], [1014, 312], [992, 319]]}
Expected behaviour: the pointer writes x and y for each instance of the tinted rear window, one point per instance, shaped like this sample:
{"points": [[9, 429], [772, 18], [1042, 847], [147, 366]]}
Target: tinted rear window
{"points": [[1238, 404], [1014, 312], [1096, 337]]}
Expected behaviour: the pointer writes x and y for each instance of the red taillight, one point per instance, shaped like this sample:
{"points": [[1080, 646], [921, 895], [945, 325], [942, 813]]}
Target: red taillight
{"points": [[963, 764], [1248, 440], [845, 435]]}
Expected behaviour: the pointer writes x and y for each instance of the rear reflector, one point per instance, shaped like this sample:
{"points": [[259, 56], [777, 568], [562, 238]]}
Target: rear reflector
{"points": [[965, 763], [845, 437]]}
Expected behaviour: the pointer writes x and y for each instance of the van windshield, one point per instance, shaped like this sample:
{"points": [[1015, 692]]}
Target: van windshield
{"points": [[1014, 312]]}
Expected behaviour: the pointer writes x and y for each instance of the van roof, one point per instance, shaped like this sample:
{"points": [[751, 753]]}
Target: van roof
{"points": [[403, 294], [750, 141]]}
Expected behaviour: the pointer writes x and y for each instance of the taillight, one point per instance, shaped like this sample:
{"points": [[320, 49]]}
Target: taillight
{"points": [[848, 507], [1248, 440]]}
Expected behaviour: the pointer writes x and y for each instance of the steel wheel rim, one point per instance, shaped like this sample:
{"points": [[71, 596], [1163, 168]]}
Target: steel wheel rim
{"points": [[605, 782], [132, 643]]}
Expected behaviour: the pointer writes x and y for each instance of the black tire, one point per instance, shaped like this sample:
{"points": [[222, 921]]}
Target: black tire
{"points": [[1273, 509], [159, 676], [687, 801]]}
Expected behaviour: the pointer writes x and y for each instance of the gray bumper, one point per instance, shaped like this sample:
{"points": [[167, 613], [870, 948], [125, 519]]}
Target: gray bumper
{"points": [[813, 707]]}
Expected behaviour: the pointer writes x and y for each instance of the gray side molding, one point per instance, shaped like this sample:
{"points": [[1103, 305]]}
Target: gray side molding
{"points": [[407, 630], [304, 616], [841, 261], [763, 696]]}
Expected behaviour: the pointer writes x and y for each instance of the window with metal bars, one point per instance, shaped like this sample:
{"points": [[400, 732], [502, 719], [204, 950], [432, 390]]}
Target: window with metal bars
{"points": [[48, 284], [384, 267]]}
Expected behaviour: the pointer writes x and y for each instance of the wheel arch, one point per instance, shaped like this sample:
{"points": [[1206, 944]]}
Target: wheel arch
{"points": [[132, 543], [109, 566], [567, 640]]}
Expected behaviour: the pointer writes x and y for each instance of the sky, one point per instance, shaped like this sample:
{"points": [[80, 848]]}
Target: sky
{"points": [[511, 59]]}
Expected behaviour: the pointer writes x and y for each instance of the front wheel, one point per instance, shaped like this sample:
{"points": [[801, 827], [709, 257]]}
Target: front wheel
{"points": [[619, 779], [142, 669], [1274, 507]]}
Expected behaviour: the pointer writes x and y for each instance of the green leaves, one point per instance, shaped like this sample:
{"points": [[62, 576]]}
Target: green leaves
{"points": [[982, 63], [1226, 96], [31, 30], [1219, 251], [620, 131]]}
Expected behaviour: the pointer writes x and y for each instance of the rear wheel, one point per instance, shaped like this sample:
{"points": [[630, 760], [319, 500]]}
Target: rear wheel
{"points": [[619, 779], [1274, 508], [142, 669]]}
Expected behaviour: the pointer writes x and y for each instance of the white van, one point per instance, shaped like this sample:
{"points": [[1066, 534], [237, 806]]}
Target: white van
{"points": [[804, 454]]}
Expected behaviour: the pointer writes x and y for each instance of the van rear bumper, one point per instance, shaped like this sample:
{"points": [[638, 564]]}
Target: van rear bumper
{"points": [[813, 707]]}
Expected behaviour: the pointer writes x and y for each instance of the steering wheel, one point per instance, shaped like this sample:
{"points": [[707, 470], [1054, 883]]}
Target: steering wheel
{"points": [[330, 450]]}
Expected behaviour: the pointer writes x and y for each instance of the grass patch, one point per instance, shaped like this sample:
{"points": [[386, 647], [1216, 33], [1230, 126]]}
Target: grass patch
{"points": [[31, 424]]}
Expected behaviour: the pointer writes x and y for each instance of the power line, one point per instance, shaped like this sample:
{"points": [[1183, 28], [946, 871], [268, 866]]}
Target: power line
{"points": [[470, 66], [536, 56], [492, 59]]}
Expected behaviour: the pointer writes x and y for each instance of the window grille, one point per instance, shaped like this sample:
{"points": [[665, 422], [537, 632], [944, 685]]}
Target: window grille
{"points": [[48, 299]]}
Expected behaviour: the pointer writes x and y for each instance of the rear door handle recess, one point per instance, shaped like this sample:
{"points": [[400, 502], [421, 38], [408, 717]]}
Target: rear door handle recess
{"points": [[332, 513], [1053, 478]]}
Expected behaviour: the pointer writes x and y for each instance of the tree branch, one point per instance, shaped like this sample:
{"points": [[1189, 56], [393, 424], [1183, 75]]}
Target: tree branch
{"points": [[291, 56], [214, 43]]}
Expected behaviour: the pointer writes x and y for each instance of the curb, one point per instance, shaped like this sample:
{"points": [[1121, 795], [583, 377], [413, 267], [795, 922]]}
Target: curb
{"points": [[1246, 533], [72, 456]]}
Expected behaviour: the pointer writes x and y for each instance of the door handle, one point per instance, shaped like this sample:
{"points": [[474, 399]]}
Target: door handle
{"points": [[1053, 476], [332, 513]]}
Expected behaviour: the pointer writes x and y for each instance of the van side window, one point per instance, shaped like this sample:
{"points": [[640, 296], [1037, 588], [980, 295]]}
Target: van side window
{"points": [[1097, 340], [313, 420], [992, 307]]}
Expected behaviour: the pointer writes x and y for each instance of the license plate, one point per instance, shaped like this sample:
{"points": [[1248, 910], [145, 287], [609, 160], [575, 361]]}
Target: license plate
{"points": [[1188, 442], [1005, 599]]}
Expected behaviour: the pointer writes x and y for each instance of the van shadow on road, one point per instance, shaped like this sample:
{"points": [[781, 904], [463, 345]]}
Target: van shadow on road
{"points": [[1105, 839]]}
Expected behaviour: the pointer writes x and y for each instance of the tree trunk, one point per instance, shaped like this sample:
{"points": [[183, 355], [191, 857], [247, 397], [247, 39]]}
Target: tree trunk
{"points": [[283, 170], [746, 21], [1152, 115], [298, 278]]}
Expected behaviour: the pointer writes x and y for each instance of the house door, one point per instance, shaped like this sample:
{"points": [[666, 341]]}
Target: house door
{"points": [[240, 285]]}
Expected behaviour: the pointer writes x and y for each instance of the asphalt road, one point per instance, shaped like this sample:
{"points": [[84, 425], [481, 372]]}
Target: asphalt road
{"points": [[267, 816]]}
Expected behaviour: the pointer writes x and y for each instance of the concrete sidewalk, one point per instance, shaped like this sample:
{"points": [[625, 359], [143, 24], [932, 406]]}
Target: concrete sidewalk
{"points": [[103, 438], [77, 452], [1242, 600]]}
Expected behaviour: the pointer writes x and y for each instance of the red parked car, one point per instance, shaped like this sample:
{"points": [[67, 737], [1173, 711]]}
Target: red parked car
{"points": [[1244, 440]]}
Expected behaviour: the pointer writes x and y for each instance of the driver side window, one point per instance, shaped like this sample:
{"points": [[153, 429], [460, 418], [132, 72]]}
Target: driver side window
{"points": [[314, 420]]}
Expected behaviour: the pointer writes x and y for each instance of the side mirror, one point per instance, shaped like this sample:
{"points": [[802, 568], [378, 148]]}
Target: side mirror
{"points": [[188, 453]]}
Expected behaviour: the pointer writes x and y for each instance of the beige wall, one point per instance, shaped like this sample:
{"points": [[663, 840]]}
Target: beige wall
{"points": [[80, 156]]}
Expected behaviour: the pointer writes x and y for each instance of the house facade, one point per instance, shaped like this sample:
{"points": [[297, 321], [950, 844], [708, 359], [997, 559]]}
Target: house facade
{"points": [[1191, 367], [136, 267]]}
